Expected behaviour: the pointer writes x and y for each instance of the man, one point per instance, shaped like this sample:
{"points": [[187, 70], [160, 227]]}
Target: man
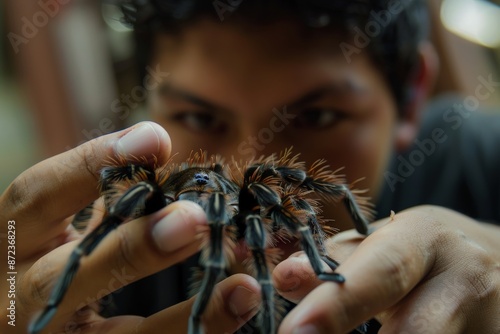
{"points": [[270, 76]]}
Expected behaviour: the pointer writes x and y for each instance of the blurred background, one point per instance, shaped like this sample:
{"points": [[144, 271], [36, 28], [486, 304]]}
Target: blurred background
{"points": [[64, 64]]}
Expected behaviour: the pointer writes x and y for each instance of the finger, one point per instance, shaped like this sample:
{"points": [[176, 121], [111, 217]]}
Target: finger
{"points": [[435, 306], [460, 294], [294, 277], [59, 186], [135, 250], [234, 301], [381, 271]]}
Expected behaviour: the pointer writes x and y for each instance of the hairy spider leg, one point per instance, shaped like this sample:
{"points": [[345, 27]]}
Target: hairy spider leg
{"points": [[330, 262], [109, 176], [309, 242], [114, 174], [145, 195], [216, 263], [256, 194], [337, 191], [285, 218], [298, 228], [308, 245], [270, 201], [323, 187], [254, 198], [81, 218], [255, 237], [360, 221], [313, 223]]}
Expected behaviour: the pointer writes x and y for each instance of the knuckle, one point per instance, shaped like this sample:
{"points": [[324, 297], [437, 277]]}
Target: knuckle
{"points": [[395, 267], [481, 285], [480, 276], [18, 198], [36, 285], [89, 155], [126, 256], [398, 265]]}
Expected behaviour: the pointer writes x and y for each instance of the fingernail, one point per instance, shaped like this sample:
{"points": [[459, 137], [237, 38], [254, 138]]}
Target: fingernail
{"points": [[143, 140], [306, 329], [178, 228], [242, 300]]}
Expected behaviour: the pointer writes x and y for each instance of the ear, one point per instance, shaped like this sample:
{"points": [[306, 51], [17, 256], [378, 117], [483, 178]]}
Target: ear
{"points": [[421, 85]]}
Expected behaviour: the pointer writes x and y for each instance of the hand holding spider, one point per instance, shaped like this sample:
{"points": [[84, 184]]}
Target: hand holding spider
{"points": [[425, 270], [59, 187]]}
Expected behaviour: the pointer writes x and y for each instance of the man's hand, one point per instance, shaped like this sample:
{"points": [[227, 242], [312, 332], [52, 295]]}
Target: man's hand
{"points": [[426, 270], [40, 201]]}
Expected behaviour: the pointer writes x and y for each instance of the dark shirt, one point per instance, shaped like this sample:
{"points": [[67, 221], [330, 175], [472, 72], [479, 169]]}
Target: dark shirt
{"points": [[453, 162]]}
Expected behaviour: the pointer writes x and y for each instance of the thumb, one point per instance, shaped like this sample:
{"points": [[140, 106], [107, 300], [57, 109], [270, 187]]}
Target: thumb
{"points": [[54, 189]]}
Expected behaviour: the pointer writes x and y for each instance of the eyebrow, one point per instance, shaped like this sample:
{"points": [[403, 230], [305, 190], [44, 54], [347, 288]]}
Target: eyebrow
{"points": [[336, 88], [167, 90], [348, 86]]}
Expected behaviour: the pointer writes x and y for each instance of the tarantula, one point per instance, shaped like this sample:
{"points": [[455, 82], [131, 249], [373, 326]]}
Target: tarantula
{"points": [[260, 202]]}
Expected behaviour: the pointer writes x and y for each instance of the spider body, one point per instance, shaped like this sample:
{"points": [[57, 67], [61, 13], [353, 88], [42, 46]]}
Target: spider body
{"points": [[195, 184], [259, 203]]}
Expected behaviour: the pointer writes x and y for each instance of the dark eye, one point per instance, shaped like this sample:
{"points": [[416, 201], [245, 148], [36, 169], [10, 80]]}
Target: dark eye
{"points": [[317, 118], [200, 122]]}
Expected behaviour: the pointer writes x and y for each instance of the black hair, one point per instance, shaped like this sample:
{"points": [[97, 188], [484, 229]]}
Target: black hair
{"points": [[395, 28]]}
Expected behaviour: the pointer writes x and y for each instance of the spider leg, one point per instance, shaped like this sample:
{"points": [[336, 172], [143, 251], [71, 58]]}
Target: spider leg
{"points": [[114, 174], [362, 329], [255, 238], [216, 264], [361, 222], [145, 194], [81, 218], [296, 227], [328, 188], [312, 253], [330, 262]]}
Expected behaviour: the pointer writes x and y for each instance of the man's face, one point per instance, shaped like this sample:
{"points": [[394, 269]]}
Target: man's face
{"points": [[241, 92]]}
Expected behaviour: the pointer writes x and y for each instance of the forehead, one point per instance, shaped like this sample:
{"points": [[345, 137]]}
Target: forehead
{"points": [[273, 40], [278, 60]]}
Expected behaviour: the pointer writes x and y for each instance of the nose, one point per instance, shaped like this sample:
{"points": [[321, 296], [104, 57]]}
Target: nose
{"points": [[201, 178]]}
